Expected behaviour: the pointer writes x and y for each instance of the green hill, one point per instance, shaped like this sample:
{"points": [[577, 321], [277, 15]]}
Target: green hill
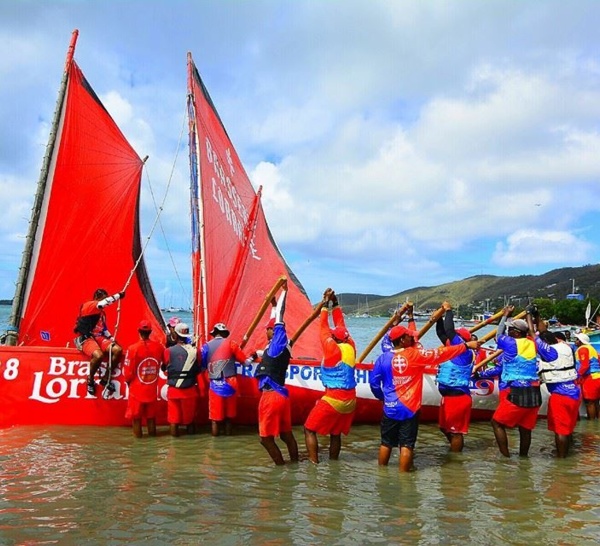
{"points": [[476, 294]]}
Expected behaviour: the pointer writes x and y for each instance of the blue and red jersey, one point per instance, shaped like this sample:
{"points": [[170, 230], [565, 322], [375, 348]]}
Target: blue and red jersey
{"points": [[397, 377]]}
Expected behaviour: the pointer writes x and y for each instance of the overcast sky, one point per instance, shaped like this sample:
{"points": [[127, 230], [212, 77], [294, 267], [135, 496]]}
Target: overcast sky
{"points": [[399, 143]]}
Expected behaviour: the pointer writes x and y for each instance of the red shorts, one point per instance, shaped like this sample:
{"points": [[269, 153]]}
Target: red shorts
{"points": [[563, 412], [511, 415], [455, 414], [92, 344], [324, 419], [590, 388], [274, 414], [140, 410], [221, 407], [181, 405]]}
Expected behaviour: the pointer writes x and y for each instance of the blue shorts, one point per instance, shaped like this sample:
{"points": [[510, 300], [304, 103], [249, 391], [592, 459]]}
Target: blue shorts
{"points": [[396, 433]]}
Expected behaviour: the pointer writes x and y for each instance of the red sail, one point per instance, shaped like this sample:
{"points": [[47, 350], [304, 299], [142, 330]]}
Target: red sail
{"points": [[88, 236], [236, 260]]}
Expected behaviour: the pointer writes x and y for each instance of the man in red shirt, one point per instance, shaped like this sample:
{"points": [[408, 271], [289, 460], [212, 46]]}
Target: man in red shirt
{"points": [[95, 341], [140, 371]]}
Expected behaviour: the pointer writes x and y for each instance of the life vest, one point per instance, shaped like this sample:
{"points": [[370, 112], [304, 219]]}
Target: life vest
{"points": [[341, 376], [560, 370], [182, 369], [220, 358], [86, 324], [274, 367], [456, 372], [523, 367]]}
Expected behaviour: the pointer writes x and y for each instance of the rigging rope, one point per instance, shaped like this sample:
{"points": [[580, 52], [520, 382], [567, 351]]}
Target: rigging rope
{"points": [[159, 210]]}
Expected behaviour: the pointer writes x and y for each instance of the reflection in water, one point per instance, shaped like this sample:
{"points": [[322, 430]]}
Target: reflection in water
{"points": [[80, 485]]}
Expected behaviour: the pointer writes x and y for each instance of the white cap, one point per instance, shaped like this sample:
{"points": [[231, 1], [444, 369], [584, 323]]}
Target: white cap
{"points": [[182, 329], [584, 338]]}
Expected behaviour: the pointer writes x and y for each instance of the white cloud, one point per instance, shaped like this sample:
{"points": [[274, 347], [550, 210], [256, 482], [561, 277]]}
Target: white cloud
{"points": [[398, 144], [528, 247]]}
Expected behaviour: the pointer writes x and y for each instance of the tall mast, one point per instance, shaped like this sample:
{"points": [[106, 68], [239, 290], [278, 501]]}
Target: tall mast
{"points": [[18, 301], [200, 311]]}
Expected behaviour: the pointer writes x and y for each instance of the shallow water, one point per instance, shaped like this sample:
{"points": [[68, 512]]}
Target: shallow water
{"points": [[91, 485], [99, 485]]}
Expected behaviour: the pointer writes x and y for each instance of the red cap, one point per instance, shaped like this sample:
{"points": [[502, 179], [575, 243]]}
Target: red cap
{"points": [[271, 324], [340, 333], [398, 331], [145, 326], [464, 333]]}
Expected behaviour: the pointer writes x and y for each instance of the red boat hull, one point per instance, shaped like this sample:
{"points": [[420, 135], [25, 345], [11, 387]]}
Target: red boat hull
{"points": [[47, 386]]}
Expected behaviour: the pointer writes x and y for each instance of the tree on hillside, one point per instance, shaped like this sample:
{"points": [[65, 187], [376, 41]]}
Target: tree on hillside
{"points": [[546, 307], [571, 311]]}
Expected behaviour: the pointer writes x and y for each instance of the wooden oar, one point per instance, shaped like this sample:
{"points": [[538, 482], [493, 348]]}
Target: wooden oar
{"points": [[262, 310], [431, 321], [485, 322], [492, 334], [487, 359], [306, 323], [498, 352], [396, 316]]}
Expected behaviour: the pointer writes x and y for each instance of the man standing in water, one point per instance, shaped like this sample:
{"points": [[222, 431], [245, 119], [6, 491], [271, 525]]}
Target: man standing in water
{"points": [[140, 371], [588, 368], [219, 356], [556, 368], [397, 379], [453, 379], [95, 341], [334, 412], [519, 370], [182, 378], [274, 409]]}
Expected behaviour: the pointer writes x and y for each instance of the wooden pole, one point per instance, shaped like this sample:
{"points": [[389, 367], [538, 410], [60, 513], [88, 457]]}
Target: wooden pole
{"points": [[306, 323], [278, 284], [431, 321], [487, 360], [485, 322], [492, 334], [396, 316], [38, 203], [498, 352]]}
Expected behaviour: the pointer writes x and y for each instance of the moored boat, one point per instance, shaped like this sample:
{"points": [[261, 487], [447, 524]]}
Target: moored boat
{"points": [[89, 165]]}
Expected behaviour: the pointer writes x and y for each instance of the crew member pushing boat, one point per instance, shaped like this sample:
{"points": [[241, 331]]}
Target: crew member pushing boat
{"points": [[219, 356], [519, 370], [334, 412], [453, 379], [274, 409]]}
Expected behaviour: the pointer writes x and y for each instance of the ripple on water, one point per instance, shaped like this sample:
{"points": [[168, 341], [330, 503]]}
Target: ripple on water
{"points": [[101, 485]]}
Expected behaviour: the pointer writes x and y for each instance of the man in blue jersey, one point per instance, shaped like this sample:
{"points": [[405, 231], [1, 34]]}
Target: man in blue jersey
{"points": [[397, 380], [519, 370], [556, 368], [453, 379], [274, 409]]}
